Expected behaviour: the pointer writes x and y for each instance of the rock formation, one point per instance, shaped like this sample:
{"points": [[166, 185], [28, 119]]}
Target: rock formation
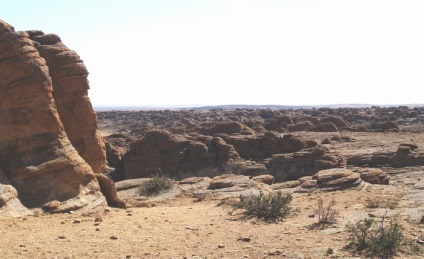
{"points": [[35, 152], [265, 145], [406, 155], [162, 152], [70, 87], [337, 178], [374, 176], [306, 162]]}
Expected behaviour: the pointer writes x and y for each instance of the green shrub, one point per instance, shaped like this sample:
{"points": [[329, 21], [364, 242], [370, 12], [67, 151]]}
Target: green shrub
{"points": [[154, 186], [271, 207], [379, 240]]}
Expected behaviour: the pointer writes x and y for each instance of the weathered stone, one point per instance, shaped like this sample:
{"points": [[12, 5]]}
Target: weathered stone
{"points": [[163, 153], [10, 206], [266, 178], [304, 163], [35, 151], [374, 176], [332, 174], [337, 178]]}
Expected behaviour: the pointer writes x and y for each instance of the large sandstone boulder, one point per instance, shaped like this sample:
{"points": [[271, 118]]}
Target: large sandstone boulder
{"points": [[337, 178], [374, 176], [35, 152]]}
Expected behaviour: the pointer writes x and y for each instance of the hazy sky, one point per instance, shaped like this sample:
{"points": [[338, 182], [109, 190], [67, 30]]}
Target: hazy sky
{"points": [[289, 52]]}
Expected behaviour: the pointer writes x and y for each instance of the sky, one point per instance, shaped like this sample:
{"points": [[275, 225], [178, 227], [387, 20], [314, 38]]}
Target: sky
{"points": [[215, 52]]}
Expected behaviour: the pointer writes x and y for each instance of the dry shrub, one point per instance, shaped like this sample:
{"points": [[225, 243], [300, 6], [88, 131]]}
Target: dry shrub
{"points": [[382, 202], [154, 186], [326, 214], [379, 240], [271, 207]]}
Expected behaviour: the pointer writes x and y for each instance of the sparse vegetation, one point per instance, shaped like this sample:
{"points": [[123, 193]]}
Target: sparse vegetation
{"points": [[378, 240], [154, 186], [271, 207], [326, 214], [382, 202]]}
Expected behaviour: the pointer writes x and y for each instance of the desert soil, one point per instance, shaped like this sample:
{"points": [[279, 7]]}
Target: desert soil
{"points": [[187, 228]]}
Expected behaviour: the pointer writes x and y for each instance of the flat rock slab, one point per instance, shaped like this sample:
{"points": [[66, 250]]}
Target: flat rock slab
{"points": [[129, 184]]}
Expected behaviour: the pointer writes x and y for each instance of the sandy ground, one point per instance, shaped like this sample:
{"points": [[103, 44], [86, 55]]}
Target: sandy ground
{"points": [[183, 228]]}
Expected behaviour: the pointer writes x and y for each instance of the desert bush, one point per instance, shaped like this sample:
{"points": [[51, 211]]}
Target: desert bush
{"points": [[271, 207], [382, 202], [154, 186], [326, 214], [379, 240]]}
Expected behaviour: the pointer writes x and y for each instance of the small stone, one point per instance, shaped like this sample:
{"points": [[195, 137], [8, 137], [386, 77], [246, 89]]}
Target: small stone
{"points": [[98, 219], [128, 256], [420, 241], [22, 245], [311, 216], [245, 239], [97, 229], [113, 237], [77, 221], [61, 237], [221, 246], [274, 252]]}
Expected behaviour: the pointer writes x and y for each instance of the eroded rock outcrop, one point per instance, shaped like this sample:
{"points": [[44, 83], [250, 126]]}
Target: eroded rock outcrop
{"points": [[337, 178], [265, 145], [161, 152], [69, 78], [406, 155], [35, 151], [306, 162]]}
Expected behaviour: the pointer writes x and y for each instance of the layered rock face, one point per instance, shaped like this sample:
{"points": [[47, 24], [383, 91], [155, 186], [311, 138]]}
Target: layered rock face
{"points": [[306, 162], [261, 146], [69, 77], [406, 155], [35, 151], [162, 152]]}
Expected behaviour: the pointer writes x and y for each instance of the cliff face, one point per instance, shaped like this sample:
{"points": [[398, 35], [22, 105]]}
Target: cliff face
{"points": [[36, 154], [69, 78]]}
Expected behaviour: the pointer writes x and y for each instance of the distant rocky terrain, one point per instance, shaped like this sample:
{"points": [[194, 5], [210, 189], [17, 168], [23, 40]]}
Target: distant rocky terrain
{"points": [[142, 143]]}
